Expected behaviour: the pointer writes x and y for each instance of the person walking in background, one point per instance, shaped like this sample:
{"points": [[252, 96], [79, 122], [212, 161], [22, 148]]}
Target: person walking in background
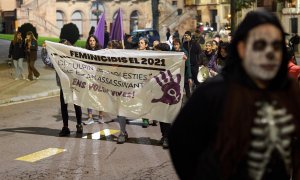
{"points": [[92, 30], [92, 44], [106, 37], [31, 48], [176, 34], [193, 50], [168, 34], [17, 53], [144, 45], [243, 123]]}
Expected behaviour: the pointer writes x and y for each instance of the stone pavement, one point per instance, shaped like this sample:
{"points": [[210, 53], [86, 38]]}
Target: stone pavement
{"points": [[12, 91]]}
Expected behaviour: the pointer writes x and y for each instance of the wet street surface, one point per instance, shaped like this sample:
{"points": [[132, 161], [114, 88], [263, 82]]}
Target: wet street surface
{"points": [[31, 149]]}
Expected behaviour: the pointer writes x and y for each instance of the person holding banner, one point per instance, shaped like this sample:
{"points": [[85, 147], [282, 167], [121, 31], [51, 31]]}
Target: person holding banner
{"points": [[188, 82], [123, 136], [243, 123], [144, 45], [64, 108], [31, 47], [92, 44], [164, 127]]}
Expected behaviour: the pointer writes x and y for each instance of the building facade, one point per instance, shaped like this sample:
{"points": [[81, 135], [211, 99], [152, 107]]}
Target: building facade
{"points": [[213, 13], [48, 16]]}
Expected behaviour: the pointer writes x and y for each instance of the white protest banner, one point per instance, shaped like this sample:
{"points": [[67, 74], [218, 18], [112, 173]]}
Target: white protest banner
{"points": [[130, 83]]}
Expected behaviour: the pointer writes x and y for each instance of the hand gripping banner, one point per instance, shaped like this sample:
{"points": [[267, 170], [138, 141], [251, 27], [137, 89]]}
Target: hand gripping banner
{"points": [[130, 83]]}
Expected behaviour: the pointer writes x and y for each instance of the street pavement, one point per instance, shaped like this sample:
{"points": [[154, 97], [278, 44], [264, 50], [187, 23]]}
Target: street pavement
{"points": [[31, 149]]}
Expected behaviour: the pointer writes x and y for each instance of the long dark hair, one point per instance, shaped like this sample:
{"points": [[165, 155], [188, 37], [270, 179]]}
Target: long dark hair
{"points": [[233, 137], [253, 19], [225, 46], [87, 44], [16, 40]]}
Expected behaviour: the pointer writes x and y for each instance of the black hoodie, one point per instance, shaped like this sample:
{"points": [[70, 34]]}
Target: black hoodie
{"points": [[202, 136], [17, 50]]}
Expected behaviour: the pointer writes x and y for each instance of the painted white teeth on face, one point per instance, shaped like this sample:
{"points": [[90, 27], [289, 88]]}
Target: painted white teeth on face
{"points": [[262, 58]]}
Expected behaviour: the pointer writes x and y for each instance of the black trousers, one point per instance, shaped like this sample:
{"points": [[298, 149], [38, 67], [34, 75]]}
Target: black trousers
{"points": [[195, 70], [64, 111], [187, 89], [165, 129]]}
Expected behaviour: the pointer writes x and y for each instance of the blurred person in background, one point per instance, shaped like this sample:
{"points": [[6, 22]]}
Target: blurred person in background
{"points": [[243, 123]]}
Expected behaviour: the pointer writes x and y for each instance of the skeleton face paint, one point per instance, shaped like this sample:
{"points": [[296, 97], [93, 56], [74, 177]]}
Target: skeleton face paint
{"points": [[263, 54]]}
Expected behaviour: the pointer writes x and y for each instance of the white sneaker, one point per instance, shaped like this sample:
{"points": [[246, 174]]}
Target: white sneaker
{"points": [[89, 121], [101, 120], [16, 79]]}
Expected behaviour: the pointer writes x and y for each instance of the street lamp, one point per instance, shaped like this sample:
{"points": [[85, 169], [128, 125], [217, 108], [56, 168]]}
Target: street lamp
{"points": [[97, 11]]}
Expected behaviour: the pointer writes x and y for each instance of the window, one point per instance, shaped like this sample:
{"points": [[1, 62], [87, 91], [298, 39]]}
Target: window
{"points": [[77, 20], [189, 2], [134, 21], [174, 3], [59, 19]]}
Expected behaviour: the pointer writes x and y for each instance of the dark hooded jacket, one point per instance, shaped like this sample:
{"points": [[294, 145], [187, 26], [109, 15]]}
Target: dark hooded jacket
{"points": [[210, 137]]}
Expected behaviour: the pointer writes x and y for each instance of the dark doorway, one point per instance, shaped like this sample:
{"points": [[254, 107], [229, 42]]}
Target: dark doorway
{"points": [[294, 25], [213, 14]]}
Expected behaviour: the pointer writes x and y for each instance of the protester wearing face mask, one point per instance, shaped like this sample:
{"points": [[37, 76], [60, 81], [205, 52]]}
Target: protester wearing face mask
{"points": [[249, 123]]}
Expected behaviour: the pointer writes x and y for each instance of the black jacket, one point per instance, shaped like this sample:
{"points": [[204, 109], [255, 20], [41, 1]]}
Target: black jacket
{"points": [[213, 134], [193, 134], [194, 51], [17, 51]]}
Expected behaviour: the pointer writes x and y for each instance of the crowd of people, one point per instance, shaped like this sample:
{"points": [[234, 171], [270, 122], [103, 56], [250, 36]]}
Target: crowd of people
{"points": [[241, 120]]}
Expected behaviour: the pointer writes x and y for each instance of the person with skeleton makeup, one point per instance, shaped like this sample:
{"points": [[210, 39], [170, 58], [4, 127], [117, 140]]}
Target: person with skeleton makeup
{"points": [[244, 122]]}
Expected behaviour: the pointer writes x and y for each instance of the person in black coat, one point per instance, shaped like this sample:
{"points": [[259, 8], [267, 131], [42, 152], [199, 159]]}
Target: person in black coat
{"points": [[17, 53], [193, 50], [243, 124]]}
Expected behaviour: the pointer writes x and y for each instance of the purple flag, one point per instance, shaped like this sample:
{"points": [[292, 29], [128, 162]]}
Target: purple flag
{"points": [[99, 33], [117, 28]]}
